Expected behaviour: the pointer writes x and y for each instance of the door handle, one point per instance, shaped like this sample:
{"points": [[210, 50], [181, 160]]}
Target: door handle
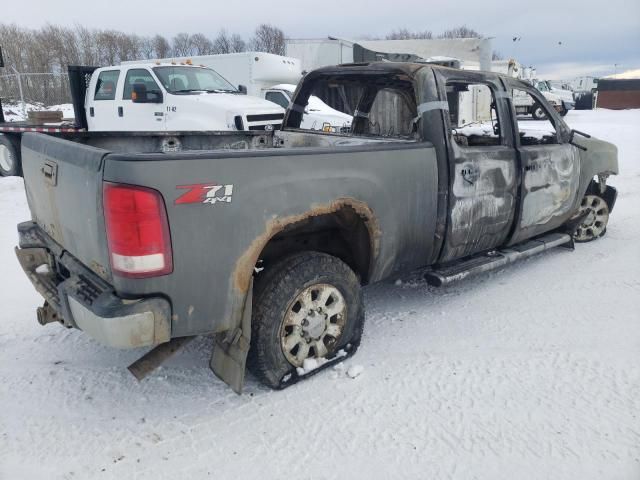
{"points": [[470, 173], [120, 112], [50, 172], [91, 112]]}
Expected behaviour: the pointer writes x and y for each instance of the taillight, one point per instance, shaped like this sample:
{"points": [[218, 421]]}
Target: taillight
{"points": [[137, 231]]}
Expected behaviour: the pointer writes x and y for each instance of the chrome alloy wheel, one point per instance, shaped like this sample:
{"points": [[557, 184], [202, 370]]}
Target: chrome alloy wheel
{"points": [[313, 324], [595, 223]]}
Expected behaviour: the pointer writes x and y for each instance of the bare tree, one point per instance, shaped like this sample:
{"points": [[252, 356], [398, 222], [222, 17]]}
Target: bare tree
{"points": [[182, 45], [268, 38], [107, 43], [222, 43], [146, 47], [201, 45], [460, 32], [405, 34], [128, 46], [237, 44], [87, 46], [161, 46]]}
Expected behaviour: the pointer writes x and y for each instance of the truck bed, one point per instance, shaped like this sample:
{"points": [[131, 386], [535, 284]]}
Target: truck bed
{"points": [[273, 178]]}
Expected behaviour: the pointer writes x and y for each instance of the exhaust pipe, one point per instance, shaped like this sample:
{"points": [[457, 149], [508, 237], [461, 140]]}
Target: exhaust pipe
{"points": [[46, 314]]}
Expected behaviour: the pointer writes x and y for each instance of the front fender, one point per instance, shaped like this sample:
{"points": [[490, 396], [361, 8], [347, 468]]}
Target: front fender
{"points": [[599, 158]]}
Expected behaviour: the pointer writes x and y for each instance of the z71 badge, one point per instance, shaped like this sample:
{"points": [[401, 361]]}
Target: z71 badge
{"points": [[205, 193]]}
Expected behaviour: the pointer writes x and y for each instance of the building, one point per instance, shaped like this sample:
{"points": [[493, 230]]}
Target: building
{"points": [[618, 93]]}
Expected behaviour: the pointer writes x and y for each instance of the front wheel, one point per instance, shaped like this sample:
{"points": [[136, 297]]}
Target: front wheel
{"points": [[9, 157], [594, 224], [306, 308]]}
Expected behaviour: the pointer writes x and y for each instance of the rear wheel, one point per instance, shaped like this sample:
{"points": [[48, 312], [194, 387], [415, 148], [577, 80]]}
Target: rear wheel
{"points": [[306, 308], [595, 223], [9, 157]]}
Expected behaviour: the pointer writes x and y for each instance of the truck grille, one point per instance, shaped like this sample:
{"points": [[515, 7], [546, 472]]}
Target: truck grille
{"points": [[265, 117]]}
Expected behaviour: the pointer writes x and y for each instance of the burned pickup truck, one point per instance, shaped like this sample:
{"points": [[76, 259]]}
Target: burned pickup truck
{"points": [[263, 240]]}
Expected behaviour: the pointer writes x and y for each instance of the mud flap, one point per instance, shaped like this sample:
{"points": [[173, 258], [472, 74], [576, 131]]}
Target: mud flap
{"points": [[230, 350]]}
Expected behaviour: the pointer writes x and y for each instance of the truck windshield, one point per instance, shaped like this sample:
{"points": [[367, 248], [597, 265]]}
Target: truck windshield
{"points": [[183, 80], [543, 87]]}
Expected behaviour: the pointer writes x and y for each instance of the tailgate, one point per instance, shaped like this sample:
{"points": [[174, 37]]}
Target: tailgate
{"points": [[63, 180]]}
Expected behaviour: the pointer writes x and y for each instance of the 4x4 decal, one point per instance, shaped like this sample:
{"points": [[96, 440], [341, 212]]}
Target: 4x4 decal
{"points": [[205, 193]]}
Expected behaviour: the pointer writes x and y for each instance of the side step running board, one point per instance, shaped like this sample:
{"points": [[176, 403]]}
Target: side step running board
{"points": [[446, 274]]}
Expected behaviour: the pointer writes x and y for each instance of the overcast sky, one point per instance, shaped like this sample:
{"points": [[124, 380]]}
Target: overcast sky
{"points": [[595, 35]]}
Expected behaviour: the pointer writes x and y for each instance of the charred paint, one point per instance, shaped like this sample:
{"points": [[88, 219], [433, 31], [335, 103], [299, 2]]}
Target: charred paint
{"points": [[247, 261]]}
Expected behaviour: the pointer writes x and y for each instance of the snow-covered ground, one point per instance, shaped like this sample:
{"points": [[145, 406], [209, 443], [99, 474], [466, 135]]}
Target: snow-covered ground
{"points": [[532, 372]]}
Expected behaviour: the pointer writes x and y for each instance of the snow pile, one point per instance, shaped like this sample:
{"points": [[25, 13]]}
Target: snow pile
{"points": [[534, 372], [13, 112], [629, 74], [355, 371], [310, 364]]}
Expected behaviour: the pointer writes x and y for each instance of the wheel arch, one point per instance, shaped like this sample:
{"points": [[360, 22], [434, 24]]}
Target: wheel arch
{"points": [[608, 193], [346, 228]]}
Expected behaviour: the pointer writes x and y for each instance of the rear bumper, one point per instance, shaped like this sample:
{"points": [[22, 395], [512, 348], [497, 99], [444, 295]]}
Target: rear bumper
{"points": [[84, 300]]}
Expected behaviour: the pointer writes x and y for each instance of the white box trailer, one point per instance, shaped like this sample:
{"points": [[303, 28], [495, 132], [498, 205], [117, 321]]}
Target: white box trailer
{"points": [[255, 70], [319, 52]]}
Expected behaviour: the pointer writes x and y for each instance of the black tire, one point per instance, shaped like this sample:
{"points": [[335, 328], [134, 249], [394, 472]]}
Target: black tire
{"points": [[276, 293], [564, 111], [537, 112], [9, 156]]}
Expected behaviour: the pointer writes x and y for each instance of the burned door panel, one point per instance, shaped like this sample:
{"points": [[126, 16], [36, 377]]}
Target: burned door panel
{"points": [[482, 165], [550, 170], [551, 175], [482, 200]]}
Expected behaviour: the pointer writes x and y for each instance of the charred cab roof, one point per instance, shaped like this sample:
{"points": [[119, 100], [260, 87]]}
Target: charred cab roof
{"points": [[389, 68], [408, 69]]}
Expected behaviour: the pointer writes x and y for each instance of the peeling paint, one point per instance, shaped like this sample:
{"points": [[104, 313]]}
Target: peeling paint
{"points": [[247, 261]]}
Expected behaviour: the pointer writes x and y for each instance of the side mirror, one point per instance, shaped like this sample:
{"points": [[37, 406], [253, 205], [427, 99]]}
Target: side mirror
{"points": [[140, 94], [573, 134], [242, 89]]}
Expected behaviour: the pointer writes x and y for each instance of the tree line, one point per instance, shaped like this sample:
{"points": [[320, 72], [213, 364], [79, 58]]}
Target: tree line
{"points": [[52, 47]]}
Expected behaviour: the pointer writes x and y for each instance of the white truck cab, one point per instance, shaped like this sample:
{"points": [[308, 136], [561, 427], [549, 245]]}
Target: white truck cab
{"points": [[317, 116], [556, 95], [172, 97]]}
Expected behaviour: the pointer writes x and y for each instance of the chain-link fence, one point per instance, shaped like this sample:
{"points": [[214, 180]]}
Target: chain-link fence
{"points": [[35, 89]]}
